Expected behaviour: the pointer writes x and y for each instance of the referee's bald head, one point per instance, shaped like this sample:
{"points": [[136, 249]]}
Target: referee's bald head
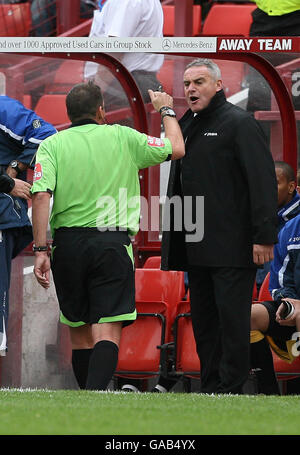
{"points": [[83, 101]]}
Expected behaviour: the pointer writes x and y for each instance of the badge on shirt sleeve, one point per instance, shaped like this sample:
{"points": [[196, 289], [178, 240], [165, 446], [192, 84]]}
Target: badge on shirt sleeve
{"points": [[38, 172], [155, 141], [36, 124]]}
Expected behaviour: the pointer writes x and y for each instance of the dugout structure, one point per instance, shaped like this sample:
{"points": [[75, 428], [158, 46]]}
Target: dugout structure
{"points": [[39, 350]]}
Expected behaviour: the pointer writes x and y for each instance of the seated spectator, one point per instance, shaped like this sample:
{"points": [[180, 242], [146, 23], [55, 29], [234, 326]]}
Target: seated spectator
{"points": [[288, 206], [268, 328]]}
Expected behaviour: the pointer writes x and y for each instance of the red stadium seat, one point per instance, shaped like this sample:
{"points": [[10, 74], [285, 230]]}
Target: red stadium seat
{"points": [[169, 20], [157, 294], [254, 293], [284, 370], [15, 20], [139, 355], [264, 293], [187, 362], [66, 76], [228, 19], [52, 108], [152, 263]]}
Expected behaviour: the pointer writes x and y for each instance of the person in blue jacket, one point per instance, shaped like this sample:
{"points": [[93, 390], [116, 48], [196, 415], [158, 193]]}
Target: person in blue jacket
{"points": [[268, 326], [288, 206], [21, 132]]}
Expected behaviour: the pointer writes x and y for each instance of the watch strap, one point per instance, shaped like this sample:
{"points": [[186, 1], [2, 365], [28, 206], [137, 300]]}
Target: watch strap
{"points": [[164, 108]]}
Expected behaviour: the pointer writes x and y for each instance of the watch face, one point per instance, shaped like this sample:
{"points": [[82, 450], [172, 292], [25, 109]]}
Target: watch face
{"points": [[14, 163], [169, 112]]}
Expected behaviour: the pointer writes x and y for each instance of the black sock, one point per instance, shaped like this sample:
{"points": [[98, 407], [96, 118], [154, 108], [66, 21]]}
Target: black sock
{"points": [[80, 364], [262, 363], [103, 363]]}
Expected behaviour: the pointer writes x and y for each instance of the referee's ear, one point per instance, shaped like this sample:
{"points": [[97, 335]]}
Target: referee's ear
{"points": [[100, 115]]}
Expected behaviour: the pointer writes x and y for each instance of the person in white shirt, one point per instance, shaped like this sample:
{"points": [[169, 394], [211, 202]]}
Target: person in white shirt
{"points": [[127, 18]]}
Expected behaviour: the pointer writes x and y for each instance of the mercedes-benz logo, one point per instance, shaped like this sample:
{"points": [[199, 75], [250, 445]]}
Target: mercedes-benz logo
{"points": [[166, 44]]}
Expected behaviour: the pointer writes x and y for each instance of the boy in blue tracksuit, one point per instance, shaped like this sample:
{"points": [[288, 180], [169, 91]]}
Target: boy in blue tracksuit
{"points": [[284, 282], [21, 132], [285, 269], [288, 206]]}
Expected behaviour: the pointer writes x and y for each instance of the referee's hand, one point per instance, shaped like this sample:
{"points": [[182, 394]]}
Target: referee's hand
{"points": [[42, 269], [160, 99]]}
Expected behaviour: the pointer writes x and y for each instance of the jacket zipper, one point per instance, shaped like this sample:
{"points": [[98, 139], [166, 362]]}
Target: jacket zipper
{"points": [[13, 204]]}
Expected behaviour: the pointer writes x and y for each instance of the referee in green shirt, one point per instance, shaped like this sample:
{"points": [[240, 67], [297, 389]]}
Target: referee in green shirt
{"points": [[91, 169]]}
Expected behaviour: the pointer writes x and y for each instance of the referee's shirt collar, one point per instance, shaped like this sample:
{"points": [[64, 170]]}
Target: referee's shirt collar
{"points": [[85, 121]]}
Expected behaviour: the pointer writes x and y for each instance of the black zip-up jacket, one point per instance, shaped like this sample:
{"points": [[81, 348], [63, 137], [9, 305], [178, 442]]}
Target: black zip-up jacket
{"points": [[227, 161]]}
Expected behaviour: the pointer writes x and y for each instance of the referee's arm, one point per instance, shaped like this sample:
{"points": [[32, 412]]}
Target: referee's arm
{"points": [[171, 126], [40, 217]]}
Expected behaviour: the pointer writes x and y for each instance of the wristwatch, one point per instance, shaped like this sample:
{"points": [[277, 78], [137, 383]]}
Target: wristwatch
{"points": [[39, 248], [168, 113], [14, 164]]}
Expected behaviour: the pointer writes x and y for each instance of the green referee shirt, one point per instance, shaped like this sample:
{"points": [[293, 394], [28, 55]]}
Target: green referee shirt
{"points": [[277, 8], [92, 171]]}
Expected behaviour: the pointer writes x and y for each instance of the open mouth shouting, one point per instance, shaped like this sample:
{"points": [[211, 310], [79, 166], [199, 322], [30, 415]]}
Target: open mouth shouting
{"points": [[193, 99]]}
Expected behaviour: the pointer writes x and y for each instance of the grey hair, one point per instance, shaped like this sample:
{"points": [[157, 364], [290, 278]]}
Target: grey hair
{"points": [[210, 65]]}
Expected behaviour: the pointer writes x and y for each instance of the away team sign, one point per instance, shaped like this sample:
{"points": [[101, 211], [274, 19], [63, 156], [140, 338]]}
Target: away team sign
{"points": [[153, 45], [258, 44]]}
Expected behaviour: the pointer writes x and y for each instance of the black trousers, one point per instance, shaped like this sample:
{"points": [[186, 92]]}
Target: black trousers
{"points": [[221, 299]]}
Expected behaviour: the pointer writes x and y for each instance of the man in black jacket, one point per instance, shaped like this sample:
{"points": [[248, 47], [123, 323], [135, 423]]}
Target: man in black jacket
{"points": [[228, 163]]}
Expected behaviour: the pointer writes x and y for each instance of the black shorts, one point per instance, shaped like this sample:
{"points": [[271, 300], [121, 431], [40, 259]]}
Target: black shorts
{"points": [[93, 274], [280, 334]]}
